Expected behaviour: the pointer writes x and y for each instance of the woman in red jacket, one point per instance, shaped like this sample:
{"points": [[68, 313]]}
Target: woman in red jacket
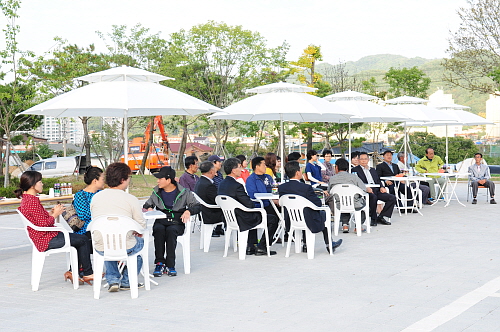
{"points": [[31, 185]]}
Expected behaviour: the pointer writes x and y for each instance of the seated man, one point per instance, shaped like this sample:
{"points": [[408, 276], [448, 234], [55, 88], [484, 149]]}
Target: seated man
{"points": [[344, 177], [246, 220], [260, 182], [218, 165], [480, 176], [178, 203], [315, 220], [115, 200], [369, 176], [423, 188], [388, 168], [431, 164], [207, 191], [189, 178], [354, 159]]}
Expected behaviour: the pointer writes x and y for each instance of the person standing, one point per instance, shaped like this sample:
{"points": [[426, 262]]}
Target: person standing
{"points": [[480, 176]]}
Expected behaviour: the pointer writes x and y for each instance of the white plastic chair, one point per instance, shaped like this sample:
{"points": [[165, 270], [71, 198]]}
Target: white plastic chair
{"points": [[114, 229], [295, 205], [185, 241], [346, 194], [38, 258], [206, 229], [228, 205]]}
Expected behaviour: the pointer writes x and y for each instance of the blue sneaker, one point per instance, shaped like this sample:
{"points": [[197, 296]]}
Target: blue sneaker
{"points": [[159, 269], [171, 271]]}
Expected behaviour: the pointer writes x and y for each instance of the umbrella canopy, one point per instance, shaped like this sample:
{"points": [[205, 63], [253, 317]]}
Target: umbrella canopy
{"points": [[406, 100], [123, 73], [349, 96], [122, 99], [366, 111], [280, 87], [286, 106]]}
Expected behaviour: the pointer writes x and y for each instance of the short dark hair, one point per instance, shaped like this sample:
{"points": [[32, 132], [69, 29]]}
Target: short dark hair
{"points": [[190, 160], [363, 154], [342, 164], [326, 151], [427, 150], [478, 154], [291, 168], [354, 154], [28, 180], [256, 161], [92, 173], [241, 157], [206, 166], [231, 164], [294, 156], [386, 152], [116, 173], [311, 153]]}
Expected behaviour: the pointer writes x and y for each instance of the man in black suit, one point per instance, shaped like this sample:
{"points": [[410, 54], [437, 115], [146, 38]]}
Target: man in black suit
{"points": [[246, 220], [315, 220], [207, 191], [388, 168], [369, 176]]}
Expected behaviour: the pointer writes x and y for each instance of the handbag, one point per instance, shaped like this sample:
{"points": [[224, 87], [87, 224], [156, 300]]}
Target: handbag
{"points": [[72, 218]]}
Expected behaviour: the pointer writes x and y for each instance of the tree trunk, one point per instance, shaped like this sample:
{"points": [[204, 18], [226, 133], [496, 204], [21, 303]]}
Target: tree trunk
{"points": [[2, 156], [309, 138], [6, 179], [182, 147], [149, 144], [86, 139]]}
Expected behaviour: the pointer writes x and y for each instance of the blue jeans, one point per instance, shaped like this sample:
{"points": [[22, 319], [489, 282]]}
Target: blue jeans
{"points": [[113, 273]]}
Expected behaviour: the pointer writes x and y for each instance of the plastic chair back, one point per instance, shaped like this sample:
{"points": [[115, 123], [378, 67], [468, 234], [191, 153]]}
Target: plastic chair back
{"points": [[228, 205], [346, 193], [206, 229]]}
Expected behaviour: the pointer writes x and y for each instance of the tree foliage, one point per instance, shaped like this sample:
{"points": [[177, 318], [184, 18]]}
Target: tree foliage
{"points": [[474, 49], [407, 82]]}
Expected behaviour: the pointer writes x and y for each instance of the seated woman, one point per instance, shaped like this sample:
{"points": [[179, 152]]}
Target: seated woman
{"points": [[271, 161], [313, 170], [30, 185], [94, 179]]}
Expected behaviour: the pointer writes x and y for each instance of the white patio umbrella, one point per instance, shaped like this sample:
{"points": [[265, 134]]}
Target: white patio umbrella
{"points": [[284, 106], [122, 95], [364, 110], [281, 87], [458, 116]]}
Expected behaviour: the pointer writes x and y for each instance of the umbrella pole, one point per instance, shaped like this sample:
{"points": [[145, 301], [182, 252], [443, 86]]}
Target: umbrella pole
{"points": [[282, 143], [405, 143], [125, 140], [446, 145], [350, 138]]}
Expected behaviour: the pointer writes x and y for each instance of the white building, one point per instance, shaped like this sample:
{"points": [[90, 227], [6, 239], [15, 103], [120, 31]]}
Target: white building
{"points": [[437, 99], [493, 115], [55, 129]]}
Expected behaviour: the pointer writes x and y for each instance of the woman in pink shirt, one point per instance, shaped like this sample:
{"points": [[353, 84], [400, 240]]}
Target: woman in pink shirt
{"points": [[30, 185]]}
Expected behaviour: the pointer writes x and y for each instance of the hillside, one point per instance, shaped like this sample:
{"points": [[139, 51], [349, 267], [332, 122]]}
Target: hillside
{"points": [[377, 65]]}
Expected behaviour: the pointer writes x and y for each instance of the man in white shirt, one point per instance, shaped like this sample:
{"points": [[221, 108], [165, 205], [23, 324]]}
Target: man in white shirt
{"points": [[480, 176]]}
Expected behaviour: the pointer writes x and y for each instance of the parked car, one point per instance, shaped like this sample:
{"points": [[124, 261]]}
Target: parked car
{"points": [[494, 169], [62, 166]]}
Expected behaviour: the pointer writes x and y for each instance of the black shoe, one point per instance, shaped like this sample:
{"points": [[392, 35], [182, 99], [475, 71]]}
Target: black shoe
{"points": [[411, 211], [373, 223], [215, 234], [114, 287], [250, 250], [474, 201], [381, 220], [304, 248], [263, 252], [493, 201], [428, 202]]}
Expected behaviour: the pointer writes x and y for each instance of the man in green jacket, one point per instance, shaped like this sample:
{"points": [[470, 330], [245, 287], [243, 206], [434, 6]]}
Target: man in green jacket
{"points": [[431, 164]]}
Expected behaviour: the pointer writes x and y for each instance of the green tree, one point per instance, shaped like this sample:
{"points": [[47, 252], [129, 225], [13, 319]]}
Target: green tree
{"points": [[407, 81], [474, 49], [371, 87], [216, 63]]}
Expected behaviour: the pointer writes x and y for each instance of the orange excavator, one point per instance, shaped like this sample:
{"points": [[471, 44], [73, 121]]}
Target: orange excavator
{"points": [[158, 152]]}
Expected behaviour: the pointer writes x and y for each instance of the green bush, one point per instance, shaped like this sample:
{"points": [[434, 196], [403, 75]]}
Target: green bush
{"points": [[14, 184], [7, 192]]}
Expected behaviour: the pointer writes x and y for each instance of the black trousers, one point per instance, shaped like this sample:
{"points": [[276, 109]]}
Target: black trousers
{"points": [[165, 236], [390, 202], [272, 226], [81, 244]]}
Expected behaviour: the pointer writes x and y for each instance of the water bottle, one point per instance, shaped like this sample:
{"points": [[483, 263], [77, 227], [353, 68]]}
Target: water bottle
{"points": [[57, 190]]}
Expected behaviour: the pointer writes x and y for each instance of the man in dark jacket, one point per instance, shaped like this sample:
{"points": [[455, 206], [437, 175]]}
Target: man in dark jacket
{"points": [[178, 204], [246, 220], [369, 176], [315, 220], [207, 191]]}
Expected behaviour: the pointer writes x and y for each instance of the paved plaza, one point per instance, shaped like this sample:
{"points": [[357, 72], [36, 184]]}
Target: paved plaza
{"points": [[437, 272]]}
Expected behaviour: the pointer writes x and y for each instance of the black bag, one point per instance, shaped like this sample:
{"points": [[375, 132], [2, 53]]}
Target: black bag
{"points": [[72, 218]]}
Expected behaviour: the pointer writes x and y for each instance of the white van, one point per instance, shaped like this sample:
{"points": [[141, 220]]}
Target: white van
{"points": [[62, 166]]}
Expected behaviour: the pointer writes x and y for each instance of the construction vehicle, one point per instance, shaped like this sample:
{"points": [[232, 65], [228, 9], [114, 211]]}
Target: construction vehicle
{"points": [[158, 152]]}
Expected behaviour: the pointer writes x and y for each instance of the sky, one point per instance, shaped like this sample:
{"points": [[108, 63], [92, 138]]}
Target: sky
{"points": [[346, 30]]}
